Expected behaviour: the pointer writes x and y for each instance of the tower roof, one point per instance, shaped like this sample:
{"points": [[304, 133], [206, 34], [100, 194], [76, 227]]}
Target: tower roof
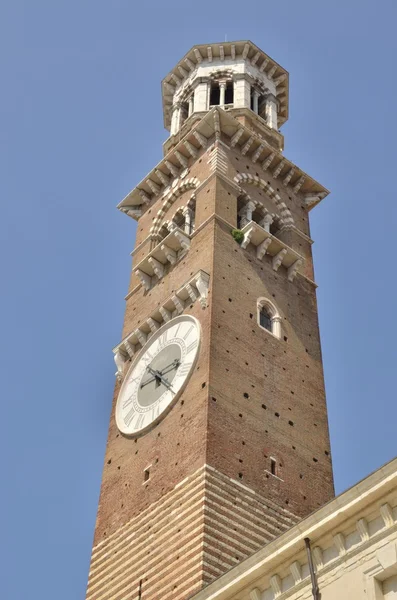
{"points": [[225, 53]]}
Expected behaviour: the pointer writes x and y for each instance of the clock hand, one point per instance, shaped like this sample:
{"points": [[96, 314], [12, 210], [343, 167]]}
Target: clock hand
{"points": [[174, 365], [157, 375]]}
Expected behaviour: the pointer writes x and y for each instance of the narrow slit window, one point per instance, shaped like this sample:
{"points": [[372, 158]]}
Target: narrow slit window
{"points": [[273, 466], [146, 475]]}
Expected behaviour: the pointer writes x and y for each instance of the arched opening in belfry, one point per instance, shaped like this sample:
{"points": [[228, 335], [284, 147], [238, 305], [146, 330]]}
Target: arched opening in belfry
{"points": [[163, 232], [229, 93], [184, 218], [215, 94]]}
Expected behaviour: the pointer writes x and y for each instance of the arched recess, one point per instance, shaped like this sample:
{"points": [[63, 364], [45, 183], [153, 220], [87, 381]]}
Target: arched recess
{"points": [[273, 324], [249, 179], [185, 216], [169, 200], [254, 210]]}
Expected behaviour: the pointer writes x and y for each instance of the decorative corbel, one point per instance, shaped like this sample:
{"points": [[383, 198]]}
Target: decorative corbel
{"points": [[132, 211], [339, 541], [182, 159], [236, 136], [120, 360], [192, 294], [278, 169], [145, 198], [258, 152], [247, 145], [278, 259], [172, 168], [157, 266], [362, 528], [296, 571], [293, 269], [142, 337], [387, 515], [154, 325], [262, 248], [288, 177], [166, 314], [266, 163], [191, 149], [247, 237], [182, 238], [202, 140], [153, 186], [178, 304], [299, 184], [170, 254], [275, 583], [202, 282], [144, 278]]}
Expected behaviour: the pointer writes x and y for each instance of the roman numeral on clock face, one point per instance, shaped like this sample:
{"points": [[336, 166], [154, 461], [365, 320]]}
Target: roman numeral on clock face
{"points": [[155, 412], [188, 332], [191, 346], [147, 358], [129, 416], [139, 424], [184, 369], [128, 401], [163, 339]]}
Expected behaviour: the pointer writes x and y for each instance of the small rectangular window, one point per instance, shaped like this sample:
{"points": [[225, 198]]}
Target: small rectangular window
{"points": [[146, 475], [273, 466]]}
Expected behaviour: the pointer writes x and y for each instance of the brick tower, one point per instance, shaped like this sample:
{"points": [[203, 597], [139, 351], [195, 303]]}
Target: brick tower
{"points": [[218, 438]]}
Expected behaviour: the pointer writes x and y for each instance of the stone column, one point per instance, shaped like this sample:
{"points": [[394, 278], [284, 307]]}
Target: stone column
{"points": [[246, 214], [242, 92], [222, 91], [175, 119], [255, 96], [266, 222], [188, 214], [276, 326], [191, 105], [271, 111]]}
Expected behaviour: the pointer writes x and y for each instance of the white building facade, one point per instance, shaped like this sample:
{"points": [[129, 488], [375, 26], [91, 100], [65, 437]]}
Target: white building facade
{"points": [[351, 541]]}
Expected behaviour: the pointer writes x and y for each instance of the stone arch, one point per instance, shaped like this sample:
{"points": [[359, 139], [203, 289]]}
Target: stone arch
{"points": [[257, 206], [285, 213], [184, 216], [169, 200]]}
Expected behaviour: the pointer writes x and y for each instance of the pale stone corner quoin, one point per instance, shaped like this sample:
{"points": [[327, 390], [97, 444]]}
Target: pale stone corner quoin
{"points": [[213, 497]]}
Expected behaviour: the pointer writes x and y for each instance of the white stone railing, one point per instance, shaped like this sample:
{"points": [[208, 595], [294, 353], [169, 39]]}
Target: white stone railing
{"points": [[168, 251], [196, 288], [266, 243]]}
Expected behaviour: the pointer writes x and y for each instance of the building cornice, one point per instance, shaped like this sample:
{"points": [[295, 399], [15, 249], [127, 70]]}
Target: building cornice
{"points": [[174, 165]]}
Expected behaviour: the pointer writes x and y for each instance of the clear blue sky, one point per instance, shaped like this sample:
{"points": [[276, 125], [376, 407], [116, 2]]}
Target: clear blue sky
{"points": [[81, 124]]}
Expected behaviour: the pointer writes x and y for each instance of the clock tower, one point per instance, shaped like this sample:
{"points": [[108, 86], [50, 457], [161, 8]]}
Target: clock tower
{"points": [[218, 438]]}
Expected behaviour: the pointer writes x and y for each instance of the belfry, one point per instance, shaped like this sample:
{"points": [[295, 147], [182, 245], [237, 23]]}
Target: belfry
{"points": [[218, 439]]}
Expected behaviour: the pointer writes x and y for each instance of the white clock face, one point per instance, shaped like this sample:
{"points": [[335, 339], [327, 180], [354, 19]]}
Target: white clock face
{"points": [[158, 376]]}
